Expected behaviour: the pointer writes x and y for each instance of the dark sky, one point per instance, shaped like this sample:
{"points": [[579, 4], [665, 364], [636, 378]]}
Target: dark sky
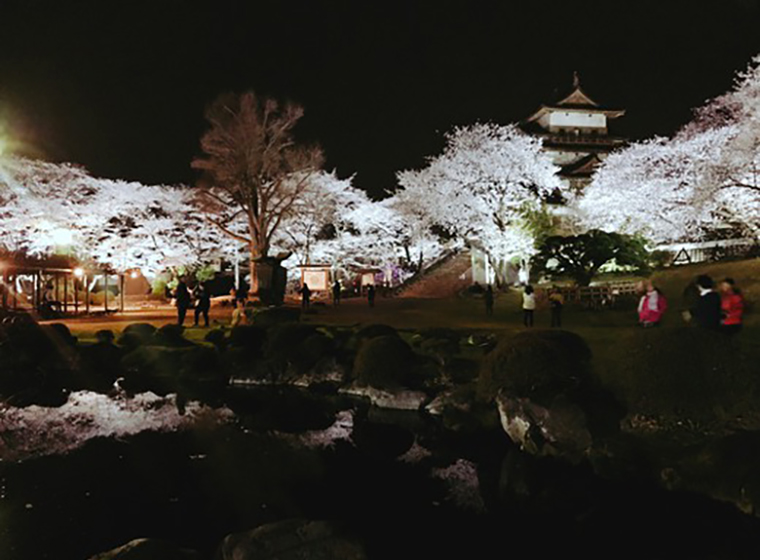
{"points": [[120, 86]]}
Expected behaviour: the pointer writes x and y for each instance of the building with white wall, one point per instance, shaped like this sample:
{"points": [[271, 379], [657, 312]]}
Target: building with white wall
{"points": [[575, 130]]}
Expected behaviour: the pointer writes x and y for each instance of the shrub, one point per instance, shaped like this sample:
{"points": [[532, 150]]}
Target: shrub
{"points": [[312, 350], [282, 340], [217, 337], [374, 331], [384, 362], [537, 365], [171, 335], [248, 337], [271, 316], [137, 334]]}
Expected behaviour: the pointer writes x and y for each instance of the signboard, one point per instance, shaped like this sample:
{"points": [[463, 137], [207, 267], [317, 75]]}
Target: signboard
{"points": [[316, 278], [368, 278]]}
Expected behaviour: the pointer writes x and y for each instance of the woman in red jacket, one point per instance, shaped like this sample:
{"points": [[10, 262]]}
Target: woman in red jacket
{"points": [[732, 306]]}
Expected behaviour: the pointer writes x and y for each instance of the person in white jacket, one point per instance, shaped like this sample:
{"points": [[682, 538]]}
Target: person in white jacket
{"points": [[528, 305]]}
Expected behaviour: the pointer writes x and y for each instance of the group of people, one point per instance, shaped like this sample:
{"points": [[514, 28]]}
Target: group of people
{"points": [[198, 298], [336, 294], [556, 304], [718, 308]]}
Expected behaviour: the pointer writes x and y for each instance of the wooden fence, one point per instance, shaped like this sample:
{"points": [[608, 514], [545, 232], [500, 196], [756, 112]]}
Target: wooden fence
{"points": [[600, 295]]}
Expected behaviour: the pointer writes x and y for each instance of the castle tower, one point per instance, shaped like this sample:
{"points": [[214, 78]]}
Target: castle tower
{"points": [[575, 130]]}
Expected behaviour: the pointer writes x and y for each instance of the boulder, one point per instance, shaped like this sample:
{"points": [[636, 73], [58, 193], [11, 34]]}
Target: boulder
{"points": [[549, 400], [559, 428], [293, 539], [148, 549]]}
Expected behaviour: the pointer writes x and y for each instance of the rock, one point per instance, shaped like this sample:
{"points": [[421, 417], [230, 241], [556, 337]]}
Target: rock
{"points": [[385, 441], [148, 549], [401, 399], [557, 429], [293, 539]]}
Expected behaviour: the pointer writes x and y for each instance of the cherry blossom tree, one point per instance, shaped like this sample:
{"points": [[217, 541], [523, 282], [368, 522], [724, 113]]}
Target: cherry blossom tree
{"points": [[655, 188], [321, 211], [47, 208], [701, 181], [481, 188]]}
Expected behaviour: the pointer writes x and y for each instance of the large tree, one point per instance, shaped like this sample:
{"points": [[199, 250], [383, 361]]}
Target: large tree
{"points": [[581, 256], [483, 189], [255, 171]]}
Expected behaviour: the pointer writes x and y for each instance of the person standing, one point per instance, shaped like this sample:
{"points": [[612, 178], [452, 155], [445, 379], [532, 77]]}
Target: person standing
{"points": [[336, 293], [707, 312], [528, 305], [556, 302], [371, 295], [652, 305], [202, 303], [182, 297], [241, 294], [732, 306], [488, 298], [305, 296]]}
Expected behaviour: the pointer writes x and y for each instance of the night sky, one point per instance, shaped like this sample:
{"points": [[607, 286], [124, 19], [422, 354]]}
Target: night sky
{"points": [[120, 86]]}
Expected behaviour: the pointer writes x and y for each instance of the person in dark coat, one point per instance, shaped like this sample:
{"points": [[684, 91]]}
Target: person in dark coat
{"points": [[707, 312], [371, 295], [305, 296], [241, 293], [488, 299], [336, 293], [202, 304], [182, 297], [556, 302]]}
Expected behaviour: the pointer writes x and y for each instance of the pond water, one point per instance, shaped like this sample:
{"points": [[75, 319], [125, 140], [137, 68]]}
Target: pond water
{"points": [[100, 471]]}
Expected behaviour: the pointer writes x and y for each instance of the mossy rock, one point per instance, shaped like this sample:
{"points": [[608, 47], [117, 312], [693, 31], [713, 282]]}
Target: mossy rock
{"points": [[384, 362]]}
